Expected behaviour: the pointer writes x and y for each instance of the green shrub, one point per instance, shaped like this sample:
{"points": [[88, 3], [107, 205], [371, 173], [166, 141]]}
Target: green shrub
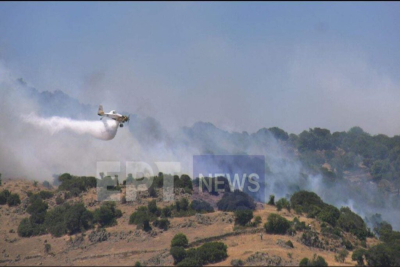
{"points": [[141, 217], [257, 220], [212, 252], [282, 203], [178, 253], [341, 255], [13, 200], [59, 200], [316, 261], [46, 184], [351, 222], [107, 214], [4, 196], [358, 255], [189, 261], [69, 219], [329, 214], [46, 194], [162, 224], [271, 200], [179, 240], [242, 217], [47, 248], [201, 206], [166, 212], [383, 255], [37, 210], [236, 201], [306, 200], [276, 224], [76, 184], [152, 206], [289, 244]]}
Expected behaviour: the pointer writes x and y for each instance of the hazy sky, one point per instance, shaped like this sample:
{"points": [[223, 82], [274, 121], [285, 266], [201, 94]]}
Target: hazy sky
{"points": [[241, 66]]}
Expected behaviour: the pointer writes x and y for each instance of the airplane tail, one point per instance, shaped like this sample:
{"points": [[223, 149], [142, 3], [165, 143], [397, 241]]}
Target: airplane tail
{"points": [[101, 111]]}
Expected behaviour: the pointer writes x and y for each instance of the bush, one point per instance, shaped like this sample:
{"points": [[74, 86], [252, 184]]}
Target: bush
{"points": [[316, 261], [341, 255], [4, 196], [152, 206], [37, 210], [46, 184], [383, 255], [201, 206], [306, 200], [210, 185], [25, 228], [236, 201], [46, 194], [329, 214], [166, 212], [242, 217], [47, 248], [69, 219], [76, 184], [189, 261], [107, 214], [304, 262], [140, 215], [13, 200], [289, 244], [212, 252], [257, 220], [59, 200], [282, 203], [178, 253], [162, 224], [271, 200], [351, 222], [276, 224], [179, 240], [358, 255]]}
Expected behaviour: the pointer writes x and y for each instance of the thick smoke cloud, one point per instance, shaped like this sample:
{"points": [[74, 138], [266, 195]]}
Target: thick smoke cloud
{"points": [[105, 129], [38, 146]]}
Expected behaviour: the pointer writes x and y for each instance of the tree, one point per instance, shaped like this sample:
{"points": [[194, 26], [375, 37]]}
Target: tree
{"points": [[271, 200], [242, 217], [276, 224], [178, 253], [107, 214], [46, 184], [13, 200], [4, 196], [152, 206], [212, 252], [1, 181], [179, 240], [201, 206], [329, 214], [37, 210], [341, 255], [358, 255], [236, 201]]}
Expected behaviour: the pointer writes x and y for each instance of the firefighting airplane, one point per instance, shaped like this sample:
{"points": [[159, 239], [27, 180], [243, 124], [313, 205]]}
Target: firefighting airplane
{"points": [[113, 115]]}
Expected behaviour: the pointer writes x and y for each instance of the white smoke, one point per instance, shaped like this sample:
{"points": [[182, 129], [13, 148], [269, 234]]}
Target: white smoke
{"points": [[105, 129]]}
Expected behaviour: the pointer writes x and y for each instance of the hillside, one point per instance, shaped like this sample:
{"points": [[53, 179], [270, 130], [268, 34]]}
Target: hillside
{"points": [[126, 244]]}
